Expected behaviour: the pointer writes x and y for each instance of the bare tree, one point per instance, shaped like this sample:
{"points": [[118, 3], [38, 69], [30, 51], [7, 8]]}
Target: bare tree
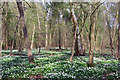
{"points": [[1, 30], [74, 24], [91, 35], [14, 37], [46, 35], [118, 42], [29, 51], [5, 33], [110, 38], [33, 36]]}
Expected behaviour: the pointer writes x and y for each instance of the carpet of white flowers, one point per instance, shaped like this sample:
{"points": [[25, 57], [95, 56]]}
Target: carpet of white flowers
{"points": [[58, 66]]}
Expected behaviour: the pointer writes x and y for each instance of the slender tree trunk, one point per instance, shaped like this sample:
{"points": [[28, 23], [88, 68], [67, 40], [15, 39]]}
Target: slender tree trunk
{"points": [[56, 37], [109, 31], [39, 35], [20, 40], [39, 27], [78, 45], [65, 41], [50, 40], [50, 36], [119, 36], [59, 37], [78, 42], [74, 24], [83, 44], [82, 37], [46, 35], [33, 36], [1, 30], [110, 38], [115, 29], [29, 51], [96, 35], [14, 37], [118, 42], [5, 26], [91, 41], [59, 34], [91, 38]]}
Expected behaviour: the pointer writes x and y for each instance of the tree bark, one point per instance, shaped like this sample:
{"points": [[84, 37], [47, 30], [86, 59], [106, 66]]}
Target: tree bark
{"points": [[91, 40], [33, 36], [74, 24], [78, 42], [50, 36], [118, 42], [115, 30], [119, 36], [5, 26], [59, 33], [20, 47], [50, 41], [39, 27], [96, 32], [29, 51], [14, 37], [92, 36], [91, 49], [46, 35], [78, 45], [82, 37], [59, 38], [1, 31], [110, 38]]}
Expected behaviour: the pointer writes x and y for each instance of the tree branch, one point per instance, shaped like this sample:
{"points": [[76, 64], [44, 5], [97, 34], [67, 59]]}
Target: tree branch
{"points": [[96, 9]]}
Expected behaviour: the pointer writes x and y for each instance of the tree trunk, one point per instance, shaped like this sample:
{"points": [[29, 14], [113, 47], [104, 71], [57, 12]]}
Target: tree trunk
{"points": [[59, 33], [91, 40], [92, 36], [119, 34], [59, 38], [46, 35], [91, 49], [39, 27], [82, 37], [91, 61], [33, 36], [14, 37], [50, 40], [5, 26], [29, 51], [78, 45], [110, 38], [118, 44], [96, 35], [56, 37], [1, 31], [74, 24], [20, 46], [50, 36], [115, 30]]}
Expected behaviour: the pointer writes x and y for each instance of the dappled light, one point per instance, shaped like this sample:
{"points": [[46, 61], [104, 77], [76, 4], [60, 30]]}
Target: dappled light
{"points": [[59, 40]]}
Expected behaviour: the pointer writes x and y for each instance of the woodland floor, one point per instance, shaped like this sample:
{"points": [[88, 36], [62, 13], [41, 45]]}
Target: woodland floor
{"points": [[58, 66]]}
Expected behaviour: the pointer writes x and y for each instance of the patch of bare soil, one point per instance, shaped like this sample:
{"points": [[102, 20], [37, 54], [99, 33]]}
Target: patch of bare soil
{"points": [[37, 77]]}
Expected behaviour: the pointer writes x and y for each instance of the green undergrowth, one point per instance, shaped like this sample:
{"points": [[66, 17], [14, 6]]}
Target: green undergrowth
{"points": [[58, 66]]}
